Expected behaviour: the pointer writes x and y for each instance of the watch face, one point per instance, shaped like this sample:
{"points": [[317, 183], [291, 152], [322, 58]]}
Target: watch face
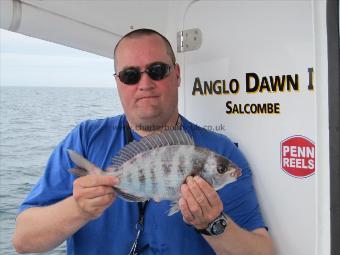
{"points": [[218, 226]]}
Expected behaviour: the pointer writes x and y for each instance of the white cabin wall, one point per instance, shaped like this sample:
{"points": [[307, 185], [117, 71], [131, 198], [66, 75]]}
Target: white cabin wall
{"points": [[269, 38]]}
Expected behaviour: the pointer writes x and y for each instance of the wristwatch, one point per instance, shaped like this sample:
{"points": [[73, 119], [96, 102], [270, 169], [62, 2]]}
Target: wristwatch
{"points": [[216, 227]]}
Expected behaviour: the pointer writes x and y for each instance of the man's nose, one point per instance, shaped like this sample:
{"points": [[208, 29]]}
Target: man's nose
{"points": [[146, 83]]}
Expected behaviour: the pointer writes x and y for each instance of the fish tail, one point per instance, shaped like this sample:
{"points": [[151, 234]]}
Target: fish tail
{"points": [[77, 171], [82, 163]]}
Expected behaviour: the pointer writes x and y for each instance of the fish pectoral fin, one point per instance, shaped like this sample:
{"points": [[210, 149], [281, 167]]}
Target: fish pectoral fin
{"points": [[78, 171], [129, 197], [174, 208]]}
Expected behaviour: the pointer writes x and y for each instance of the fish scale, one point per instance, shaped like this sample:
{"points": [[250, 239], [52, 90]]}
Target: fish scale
{"points": [[157, 165]]}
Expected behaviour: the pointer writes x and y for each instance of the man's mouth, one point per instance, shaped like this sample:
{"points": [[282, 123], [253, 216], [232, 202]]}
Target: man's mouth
{"points": [[147, 98]]}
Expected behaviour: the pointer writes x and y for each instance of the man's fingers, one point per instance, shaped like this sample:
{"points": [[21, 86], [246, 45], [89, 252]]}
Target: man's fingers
{"points": [[209, 192], [193, 206], [200, 203], [198, 193], [93, 192], [187, 216], [103, 201], [93, 208], [96, 180]]}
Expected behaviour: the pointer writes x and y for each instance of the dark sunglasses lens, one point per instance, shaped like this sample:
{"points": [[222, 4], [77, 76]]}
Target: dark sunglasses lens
{"points": [[158, 71], [130, 76]]}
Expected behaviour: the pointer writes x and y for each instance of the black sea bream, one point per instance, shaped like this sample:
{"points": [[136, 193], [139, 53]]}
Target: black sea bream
{"points": [[157, 165]]}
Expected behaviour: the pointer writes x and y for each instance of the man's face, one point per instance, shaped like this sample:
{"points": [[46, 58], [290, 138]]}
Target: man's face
{"points": [[148, 102]]}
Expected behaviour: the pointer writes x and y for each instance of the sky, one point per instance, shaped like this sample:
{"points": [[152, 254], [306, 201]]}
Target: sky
{"points": [[27, 61]]}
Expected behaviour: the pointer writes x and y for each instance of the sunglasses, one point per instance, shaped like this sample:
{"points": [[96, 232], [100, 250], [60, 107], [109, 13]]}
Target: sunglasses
{"points": [[156, 71]]}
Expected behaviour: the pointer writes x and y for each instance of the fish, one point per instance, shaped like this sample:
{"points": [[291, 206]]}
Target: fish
{"points": [[156, 166]]}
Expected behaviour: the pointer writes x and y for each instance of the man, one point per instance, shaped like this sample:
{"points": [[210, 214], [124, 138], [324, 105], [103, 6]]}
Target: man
{"points": [[87, 213]]}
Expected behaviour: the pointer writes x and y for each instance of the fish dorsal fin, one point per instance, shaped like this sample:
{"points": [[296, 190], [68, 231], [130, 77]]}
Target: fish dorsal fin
{"points": [[166, 138]]}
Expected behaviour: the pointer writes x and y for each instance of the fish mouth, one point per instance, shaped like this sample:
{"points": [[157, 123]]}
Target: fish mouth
{"points": [[236, 173], [220, 182]]}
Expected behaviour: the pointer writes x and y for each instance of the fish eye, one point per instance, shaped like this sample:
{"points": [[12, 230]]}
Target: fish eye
{"points": [[221, 169]]}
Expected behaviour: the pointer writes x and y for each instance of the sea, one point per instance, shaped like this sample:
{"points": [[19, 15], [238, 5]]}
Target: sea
{"points": [[33, 120]]}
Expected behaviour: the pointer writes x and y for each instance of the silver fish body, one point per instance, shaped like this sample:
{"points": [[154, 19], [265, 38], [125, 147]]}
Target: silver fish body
{"points": [[156, 167]]}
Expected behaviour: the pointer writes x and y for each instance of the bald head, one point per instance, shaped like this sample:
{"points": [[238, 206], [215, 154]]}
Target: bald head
{"points": [[145, 32]]}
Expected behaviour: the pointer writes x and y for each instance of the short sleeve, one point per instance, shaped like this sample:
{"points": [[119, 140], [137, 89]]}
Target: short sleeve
{"points": [[239, 198]]}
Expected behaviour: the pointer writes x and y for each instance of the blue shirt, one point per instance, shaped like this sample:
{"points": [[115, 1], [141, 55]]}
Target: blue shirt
{"points": [[114, 232]]}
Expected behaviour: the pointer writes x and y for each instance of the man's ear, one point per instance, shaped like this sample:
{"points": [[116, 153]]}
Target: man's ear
{"points": [[178, 74]]}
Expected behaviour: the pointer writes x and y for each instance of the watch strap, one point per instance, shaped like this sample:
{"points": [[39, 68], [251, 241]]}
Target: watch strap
{"points": [[203, 231], [207, 231]]}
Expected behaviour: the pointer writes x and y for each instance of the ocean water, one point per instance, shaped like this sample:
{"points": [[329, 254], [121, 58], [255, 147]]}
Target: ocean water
{"points": [[33, 120]]}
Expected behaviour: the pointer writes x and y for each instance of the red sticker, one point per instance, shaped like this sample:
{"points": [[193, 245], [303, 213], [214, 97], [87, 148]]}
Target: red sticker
{"points": [[298, 156]]}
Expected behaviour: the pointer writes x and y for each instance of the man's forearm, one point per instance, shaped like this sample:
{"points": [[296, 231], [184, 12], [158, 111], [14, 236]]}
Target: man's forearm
{"points": [[40, 229], [237, 241]]}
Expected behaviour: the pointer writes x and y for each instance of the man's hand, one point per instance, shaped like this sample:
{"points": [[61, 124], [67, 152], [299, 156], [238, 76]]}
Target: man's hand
{"points": [[200, 203], [37, 231], [93, 194]]}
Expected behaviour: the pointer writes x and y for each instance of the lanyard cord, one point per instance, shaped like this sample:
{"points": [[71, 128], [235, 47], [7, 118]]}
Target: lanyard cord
{"points": [[141, 205]]}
